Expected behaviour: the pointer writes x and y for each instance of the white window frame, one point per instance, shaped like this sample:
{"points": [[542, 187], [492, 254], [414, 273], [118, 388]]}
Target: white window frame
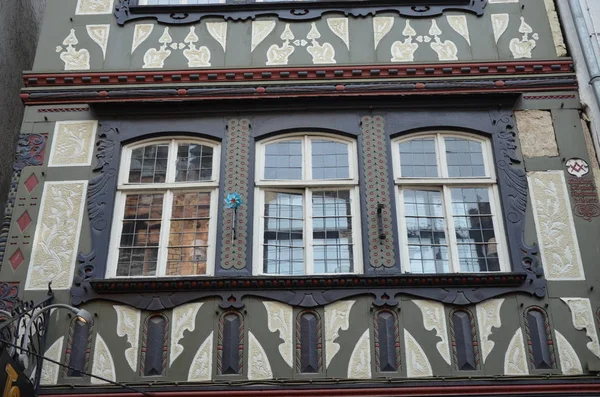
{"points": [[443, 183], [306, 186], [168, 188]]}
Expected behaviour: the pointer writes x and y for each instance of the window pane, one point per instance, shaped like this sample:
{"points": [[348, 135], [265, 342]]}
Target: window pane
{"points": [[140, 235], [426, 231], [332, 232], [465, 158], [284, 233], [194, 163], [149, 164], [477, 246], [418, 158], [283, 160], [188, 237], [329, 160]]}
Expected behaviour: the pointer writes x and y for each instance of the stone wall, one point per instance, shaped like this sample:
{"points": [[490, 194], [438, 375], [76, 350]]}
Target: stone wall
{"points": [[20, 25]]}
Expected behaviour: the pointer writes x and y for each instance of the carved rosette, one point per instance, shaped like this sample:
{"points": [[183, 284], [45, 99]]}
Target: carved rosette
{"points": [[378, 203], [237, 166]]}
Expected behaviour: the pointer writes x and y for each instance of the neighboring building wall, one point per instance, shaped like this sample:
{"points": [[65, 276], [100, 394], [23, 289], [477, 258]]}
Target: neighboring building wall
{"points": [[20, 25]]}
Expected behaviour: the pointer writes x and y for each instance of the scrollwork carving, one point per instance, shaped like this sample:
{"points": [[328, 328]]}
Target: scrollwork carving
{"points": [[128, 10]]}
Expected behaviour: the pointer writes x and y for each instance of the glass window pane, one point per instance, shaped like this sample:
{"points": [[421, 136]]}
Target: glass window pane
{"points": [[332, 232], [283, 160], [140, 235], [329, 160], [283, 233], [426, 231], [194, 162], [465, 158], [475, 235], [149, 164], [418, 158], [188, 237]]}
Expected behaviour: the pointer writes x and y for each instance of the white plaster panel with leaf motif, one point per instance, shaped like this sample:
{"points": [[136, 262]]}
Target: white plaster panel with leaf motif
{"points": [[73, 143], [583, 319], [515, 360], [201, 367], [259, 367], [417, 363], [434, 318], [280, 317], [128, 325], [184, 319], [488, 317], [337, 318], [94, 7], [103, 364], [569, 362], [51, 370], [359, 366]]}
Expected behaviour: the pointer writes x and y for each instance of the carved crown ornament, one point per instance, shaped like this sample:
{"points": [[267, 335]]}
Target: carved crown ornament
{"points": [[236, 10]]}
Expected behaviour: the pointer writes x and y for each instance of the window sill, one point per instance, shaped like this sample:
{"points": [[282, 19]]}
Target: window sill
{"points": [[128, 10]]}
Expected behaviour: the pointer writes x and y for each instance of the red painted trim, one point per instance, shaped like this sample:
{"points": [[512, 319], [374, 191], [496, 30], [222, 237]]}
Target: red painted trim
{"points": [[505, 390], [182, 98], [299, 73]]}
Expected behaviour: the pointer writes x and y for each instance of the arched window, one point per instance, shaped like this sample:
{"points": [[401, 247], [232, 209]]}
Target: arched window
{"points": [[153, 359], [386, 335], [464, 340], [539, 339], [448, 204], [165, 216], [308, 206], [309, 342], [79, 345]]}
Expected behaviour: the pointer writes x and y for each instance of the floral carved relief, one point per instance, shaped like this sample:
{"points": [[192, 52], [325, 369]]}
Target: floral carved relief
{"points": [[559, 246], [281, 318], [446, 50], [260, 30], [73, 143], [201, 368], [569, 362], [339, 26], [488, 317], [359, 366], [460, 25], [184, 319], [74, 59], [337, 318], [515, 360], [417, 363], [499, 25], [100, 34], [128, 325], [197, 57], [103, 364], [259, 367], [381, 27], [57, 235], [50, 370], [405, 51], [434, 318], [583, 319], [523, 47], [141, 33], [155, 58], [92, 7], [279, 55], [321, 53]]}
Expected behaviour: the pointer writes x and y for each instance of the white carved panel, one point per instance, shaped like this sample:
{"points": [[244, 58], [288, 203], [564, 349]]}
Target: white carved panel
{"points": [[218, 31], [583, 319], [94, 7], [523, 47], [515, 360], [100, 34], [50, 370], [259, 367], [556, 234], [381, 27], [73, 143], [57, 233], [184, 319], [417, 363], [201, 368], [281, 318], [359, 366], [103, 364], [569, 362], [499, 25], [260, 30], [339, 26], [460, 25], [128, 325], [337, 318], [488, 317], [73, 58], [434, 318], [141, 34]]}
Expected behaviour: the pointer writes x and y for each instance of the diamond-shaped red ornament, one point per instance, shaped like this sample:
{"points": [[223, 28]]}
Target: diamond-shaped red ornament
{"points": [[31, 183], [24, 221], [16, 260]]}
